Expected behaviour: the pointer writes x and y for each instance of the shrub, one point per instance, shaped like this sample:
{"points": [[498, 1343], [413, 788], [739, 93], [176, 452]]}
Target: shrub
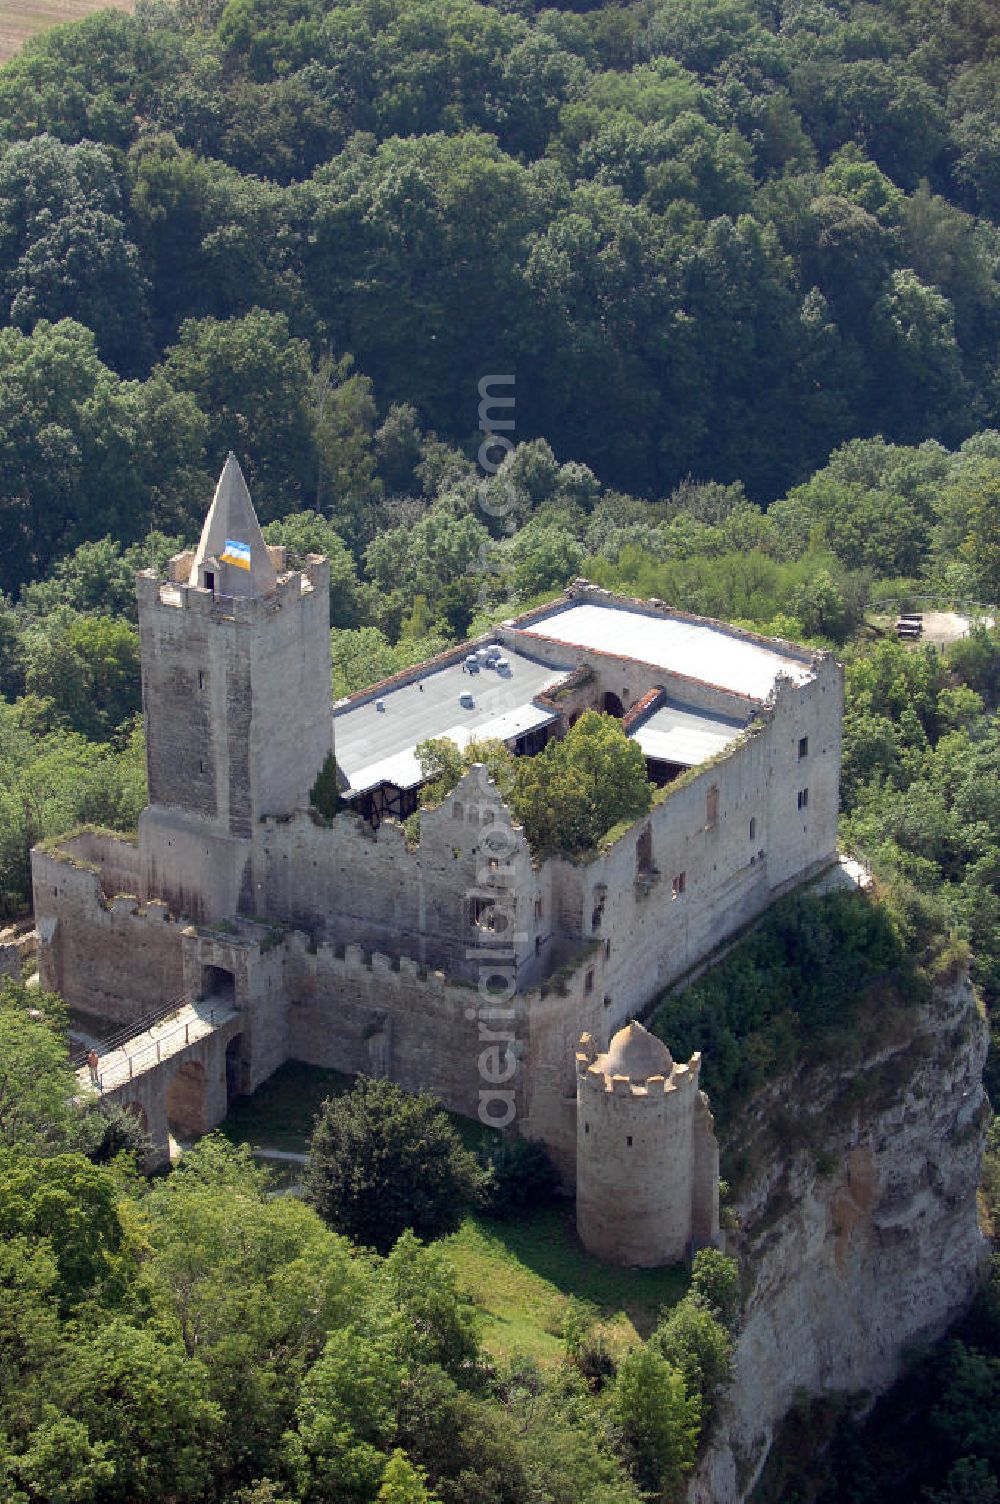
{"points": [[518, 1175], [694, 1340]]}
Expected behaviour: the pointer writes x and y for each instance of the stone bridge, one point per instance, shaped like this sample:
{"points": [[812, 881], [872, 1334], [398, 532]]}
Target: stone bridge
{"points": [[179, 1073]]}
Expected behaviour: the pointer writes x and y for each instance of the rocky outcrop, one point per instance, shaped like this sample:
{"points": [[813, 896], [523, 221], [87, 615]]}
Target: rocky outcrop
{"points": [[857, 1227]]}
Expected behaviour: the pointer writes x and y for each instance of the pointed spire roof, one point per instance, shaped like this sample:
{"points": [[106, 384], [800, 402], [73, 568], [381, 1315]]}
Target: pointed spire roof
{"points": [[232, 519]]}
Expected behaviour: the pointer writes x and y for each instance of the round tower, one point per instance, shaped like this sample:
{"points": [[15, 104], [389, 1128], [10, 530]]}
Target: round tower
{"points": [[638, 1165]]}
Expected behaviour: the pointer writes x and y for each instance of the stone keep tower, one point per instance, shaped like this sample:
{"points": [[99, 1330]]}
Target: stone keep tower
{"points": [[647, 1161], [236, 700]]}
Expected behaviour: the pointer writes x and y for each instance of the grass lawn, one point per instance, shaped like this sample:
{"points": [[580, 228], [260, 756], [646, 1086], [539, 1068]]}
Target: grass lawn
{"points": [[20, 19], [280, 1113], [523, 1274]]}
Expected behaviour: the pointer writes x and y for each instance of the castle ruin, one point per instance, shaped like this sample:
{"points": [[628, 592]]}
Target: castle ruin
{"points": [[464, 965]]}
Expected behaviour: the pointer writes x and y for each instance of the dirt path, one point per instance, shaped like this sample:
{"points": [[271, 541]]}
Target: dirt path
{"points": [[942, 627]]}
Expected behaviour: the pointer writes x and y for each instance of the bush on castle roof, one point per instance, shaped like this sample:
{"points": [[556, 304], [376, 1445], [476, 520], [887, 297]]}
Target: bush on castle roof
{"points": [[567, 797]]}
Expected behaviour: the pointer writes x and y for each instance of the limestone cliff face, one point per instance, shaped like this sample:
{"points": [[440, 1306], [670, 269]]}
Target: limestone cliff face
{"points": [[858, 1232]]}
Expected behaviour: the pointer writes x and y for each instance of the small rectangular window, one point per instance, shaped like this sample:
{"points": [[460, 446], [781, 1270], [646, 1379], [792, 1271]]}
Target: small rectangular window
{"points": [[803, 747], [628, 1139], [803, 798], [201, 679], [586, 1127], [712, 808], [678, 885], [753, 829], [539, 907]]}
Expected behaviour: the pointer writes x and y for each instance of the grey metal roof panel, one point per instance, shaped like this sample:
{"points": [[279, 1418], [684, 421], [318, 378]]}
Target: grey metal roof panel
{"points": [[693, 649], [688, 737], [379, 746]]}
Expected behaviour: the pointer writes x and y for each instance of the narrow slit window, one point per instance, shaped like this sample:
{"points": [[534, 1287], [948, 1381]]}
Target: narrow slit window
{"points": [[803, 747], [712, 808], [753, 829], [803, 798], [644, 851]]}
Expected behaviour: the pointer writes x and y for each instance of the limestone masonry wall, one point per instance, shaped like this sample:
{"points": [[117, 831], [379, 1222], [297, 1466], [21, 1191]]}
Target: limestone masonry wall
{"points": [[115, 959], [635, 1165], [356, 1011], [349, 884], [721, 847]]}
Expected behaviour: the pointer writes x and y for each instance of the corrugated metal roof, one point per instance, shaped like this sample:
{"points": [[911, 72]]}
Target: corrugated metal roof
{"points": [[379, 746], [403, 769], [692, 649], [687, 737]]}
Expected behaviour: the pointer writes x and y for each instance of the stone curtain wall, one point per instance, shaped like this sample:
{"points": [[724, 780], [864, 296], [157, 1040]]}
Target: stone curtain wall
{"points": [[114, 959], [116, 860], [656, 933], [350, 885]]}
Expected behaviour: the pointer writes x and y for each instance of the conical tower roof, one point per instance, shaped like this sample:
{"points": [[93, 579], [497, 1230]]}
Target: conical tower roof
{"points": [[636, 1053], [245, 569]]}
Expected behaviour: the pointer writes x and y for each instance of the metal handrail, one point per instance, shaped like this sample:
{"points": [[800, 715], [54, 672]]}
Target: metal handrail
{"points": [[129, 1031], [149, 1052]]}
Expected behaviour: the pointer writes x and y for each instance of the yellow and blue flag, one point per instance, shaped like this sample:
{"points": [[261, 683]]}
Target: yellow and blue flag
{"points": [[237, 554]]}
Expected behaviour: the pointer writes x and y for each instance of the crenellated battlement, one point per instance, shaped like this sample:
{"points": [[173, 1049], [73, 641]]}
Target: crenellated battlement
{"points": [[594, 1078], [178, 595], [646, 1156]]}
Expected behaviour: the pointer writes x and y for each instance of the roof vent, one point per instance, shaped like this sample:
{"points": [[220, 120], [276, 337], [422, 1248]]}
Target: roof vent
{"points": [[380, 706]]}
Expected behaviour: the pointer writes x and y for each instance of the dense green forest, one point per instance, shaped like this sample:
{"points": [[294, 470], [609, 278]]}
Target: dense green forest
{"points": [[741, 260], [708, 237], [200, 1339]]}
